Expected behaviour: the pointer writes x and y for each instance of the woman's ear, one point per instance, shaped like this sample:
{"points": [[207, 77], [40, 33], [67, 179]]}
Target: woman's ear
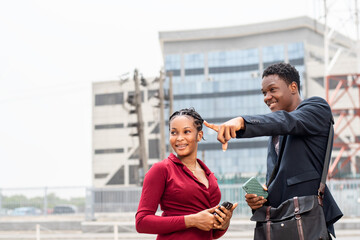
{"points": [[200, 135]]}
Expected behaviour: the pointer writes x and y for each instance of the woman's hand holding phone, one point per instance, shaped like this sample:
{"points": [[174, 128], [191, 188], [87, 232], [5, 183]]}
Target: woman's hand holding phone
{"points": [[223, 215], [203, 220]]}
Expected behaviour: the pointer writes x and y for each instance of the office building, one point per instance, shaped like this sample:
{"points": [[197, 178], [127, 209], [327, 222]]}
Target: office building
{"points": [[218, 72]]}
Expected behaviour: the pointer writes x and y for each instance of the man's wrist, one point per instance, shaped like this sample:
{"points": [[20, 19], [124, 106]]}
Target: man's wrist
{"points": [[242, 123]]}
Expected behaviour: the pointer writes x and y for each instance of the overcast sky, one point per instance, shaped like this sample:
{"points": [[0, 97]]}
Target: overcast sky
{"points": [[51, 51]]}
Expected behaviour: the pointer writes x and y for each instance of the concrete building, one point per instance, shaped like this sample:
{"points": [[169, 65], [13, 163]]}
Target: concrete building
{"points": [[115, 142], [218, 72]]}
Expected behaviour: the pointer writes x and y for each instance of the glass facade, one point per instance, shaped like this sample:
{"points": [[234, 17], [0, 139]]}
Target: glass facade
{"points": [[273, 54], [173, 64], [296, 54], [222, 85]]}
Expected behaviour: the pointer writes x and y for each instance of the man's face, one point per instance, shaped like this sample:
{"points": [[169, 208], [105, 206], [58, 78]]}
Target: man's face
{"points": [[277, 94]]}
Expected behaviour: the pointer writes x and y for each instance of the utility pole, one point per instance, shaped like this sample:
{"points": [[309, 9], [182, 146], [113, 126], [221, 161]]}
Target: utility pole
{"points": [[171, 97], [171, 100], [140, 128], [162, 120]]}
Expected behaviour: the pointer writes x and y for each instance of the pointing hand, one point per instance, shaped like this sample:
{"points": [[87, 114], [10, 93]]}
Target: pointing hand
{"points": [[227, 130]]}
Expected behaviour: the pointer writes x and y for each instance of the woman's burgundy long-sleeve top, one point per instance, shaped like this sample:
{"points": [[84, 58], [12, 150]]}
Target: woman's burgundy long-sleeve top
{"points": [[172, 185]]}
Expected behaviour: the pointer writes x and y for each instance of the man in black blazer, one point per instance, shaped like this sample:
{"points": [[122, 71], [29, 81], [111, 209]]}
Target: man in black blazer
{"points": [[299, 129]]}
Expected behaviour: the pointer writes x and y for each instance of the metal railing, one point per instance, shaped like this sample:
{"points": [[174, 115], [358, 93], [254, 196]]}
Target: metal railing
{"points": [[88, 202]]}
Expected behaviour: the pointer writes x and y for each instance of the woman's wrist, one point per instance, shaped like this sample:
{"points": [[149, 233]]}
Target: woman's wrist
{"points": [[189, 221]]}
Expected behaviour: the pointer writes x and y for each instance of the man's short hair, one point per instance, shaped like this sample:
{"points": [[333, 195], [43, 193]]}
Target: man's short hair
{"points": [[285, 71]]}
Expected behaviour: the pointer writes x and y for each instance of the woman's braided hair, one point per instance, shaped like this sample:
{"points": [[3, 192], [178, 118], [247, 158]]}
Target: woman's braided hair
{"points": [[198, 121]]}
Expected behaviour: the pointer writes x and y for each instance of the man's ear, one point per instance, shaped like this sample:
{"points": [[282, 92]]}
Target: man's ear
{"points": [[294, 88]]}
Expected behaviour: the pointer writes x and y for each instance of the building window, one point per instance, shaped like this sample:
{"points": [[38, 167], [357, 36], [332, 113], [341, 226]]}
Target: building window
{"points": [[194, 61], [156, 129], [118, 178], [132, 124], [232, 71], [109, 151], [109, 99], [173, 64], [153, 93], [154, 148], [273, 54], [134, 174], [296, 50], [245, 57], [100, 175], [135, 155], [108, 126], [194, 67], [131, 94]]}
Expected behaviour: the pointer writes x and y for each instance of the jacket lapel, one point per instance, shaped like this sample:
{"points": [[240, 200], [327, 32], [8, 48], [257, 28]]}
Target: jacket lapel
{"points": [[282, 141]]}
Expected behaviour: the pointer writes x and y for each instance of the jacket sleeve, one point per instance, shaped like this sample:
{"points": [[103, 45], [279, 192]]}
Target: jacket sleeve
{"points": [[312, 117], [153, 188]]}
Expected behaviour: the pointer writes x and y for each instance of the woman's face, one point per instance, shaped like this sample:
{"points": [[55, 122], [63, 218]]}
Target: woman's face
{"points": [[184, 137]]}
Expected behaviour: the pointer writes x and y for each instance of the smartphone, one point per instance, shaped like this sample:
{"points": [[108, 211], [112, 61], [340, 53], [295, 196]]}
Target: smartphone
{"points": [[253, 186], [227, 205]]}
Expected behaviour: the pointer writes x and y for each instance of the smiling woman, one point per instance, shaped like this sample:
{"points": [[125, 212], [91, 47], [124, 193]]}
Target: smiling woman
{"points": [[185, 133], [185, 188]]}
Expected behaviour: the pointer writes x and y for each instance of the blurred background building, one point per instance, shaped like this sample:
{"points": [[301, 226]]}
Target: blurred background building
{"points": [[115, 130], [218, 72]]}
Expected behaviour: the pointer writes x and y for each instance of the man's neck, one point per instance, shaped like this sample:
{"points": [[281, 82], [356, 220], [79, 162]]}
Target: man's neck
{"points": [[297, 102]]}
